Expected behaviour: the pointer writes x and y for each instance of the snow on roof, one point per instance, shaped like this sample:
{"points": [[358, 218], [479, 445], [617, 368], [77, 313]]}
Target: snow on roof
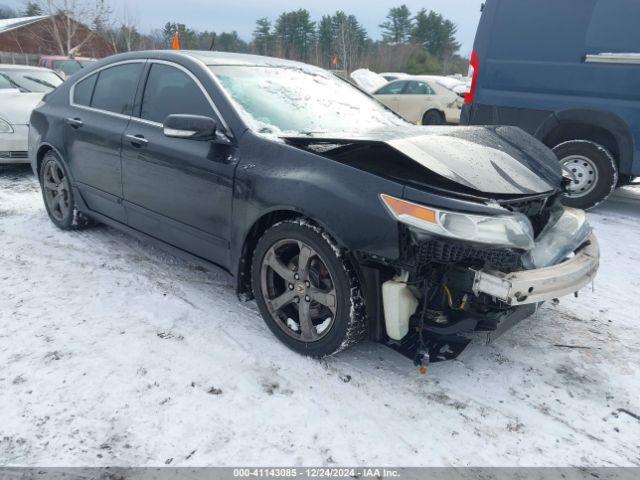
{"points": [[11, 23]]}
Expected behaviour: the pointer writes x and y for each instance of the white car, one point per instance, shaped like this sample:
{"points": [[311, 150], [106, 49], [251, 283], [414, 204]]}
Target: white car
{"points": [[421, 100], [21, 89]]}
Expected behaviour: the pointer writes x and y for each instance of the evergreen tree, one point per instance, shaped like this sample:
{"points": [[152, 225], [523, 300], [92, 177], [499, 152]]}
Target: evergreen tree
{"points": [[397, 28], [262, 37], [435, 33], [32, 9], [295, 34]]}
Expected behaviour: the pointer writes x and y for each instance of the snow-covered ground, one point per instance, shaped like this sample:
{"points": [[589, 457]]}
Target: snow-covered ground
{"points": [[112, 352]]}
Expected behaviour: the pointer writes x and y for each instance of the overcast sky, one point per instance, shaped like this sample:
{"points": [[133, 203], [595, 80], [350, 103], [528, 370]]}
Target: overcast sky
{"points": [[240, 15]]}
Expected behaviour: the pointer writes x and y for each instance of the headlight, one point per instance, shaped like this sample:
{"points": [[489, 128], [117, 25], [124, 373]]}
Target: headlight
{"points": [[510, 230], [5, 127]]}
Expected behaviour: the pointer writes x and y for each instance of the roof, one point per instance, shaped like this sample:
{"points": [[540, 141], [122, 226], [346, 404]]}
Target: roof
{"points": [[13, 23], [227, 58]]}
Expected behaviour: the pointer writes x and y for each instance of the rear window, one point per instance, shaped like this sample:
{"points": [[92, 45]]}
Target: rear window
{"points": [[116, 88], [83, 90]]}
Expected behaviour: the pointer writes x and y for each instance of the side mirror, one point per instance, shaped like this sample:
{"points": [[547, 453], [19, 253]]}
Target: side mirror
{"points": [[191, 127]]}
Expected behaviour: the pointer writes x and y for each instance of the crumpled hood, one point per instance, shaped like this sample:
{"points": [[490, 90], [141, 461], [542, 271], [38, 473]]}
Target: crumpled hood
{"points": [[16, 106], [499, 160]]}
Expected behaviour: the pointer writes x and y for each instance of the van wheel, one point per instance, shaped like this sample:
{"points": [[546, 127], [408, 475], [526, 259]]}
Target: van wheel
{"points": [[593, 169], [433, 117], [306, 290], [58, 195]]}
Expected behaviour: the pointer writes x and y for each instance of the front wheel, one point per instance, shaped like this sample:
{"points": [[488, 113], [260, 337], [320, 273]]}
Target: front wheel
{"points": [[306, 290], [593, 171]]}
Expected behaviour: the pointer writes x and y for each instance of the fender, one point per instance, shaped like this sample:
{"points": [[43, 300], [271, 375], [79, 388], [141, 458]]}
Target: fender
{"points": [[598, 118]]}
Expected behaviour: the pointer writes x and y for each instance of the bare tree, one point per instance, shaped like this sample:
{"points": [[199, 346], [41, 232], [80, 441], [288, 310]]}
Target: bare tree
{"points": [[73, 23]]}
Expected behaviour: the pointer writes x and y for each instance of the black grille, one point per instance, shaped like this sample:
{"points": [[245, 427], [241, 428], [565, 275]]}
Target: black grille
{"points": [[454, 252], [14, 154]]}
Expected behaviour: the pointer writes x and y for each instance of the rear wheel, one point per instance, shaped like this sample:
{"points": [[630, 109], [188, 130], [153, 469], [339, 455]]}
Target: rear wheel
{"points": [[306, 290], [593, 171], [433, 117], [58, 195]]}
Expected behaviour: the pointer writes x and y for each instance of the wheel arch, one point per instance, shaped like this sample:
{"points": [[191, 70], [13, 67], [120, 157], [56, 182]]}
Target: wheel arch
{"points": [[604, 128], [267, 220], [43, 149]]}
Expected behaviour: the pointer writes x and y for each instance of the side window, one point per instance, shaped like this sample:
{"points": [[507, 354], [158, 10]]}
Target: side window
{"points": [[614, 27], [171, 91], [83, 90], [419, 88], [393, 88], [116, 88]]}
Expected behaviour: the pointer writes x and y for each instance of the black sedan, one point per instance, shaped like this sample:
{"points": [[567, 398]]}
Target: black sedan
{"points": [[343, 221]]}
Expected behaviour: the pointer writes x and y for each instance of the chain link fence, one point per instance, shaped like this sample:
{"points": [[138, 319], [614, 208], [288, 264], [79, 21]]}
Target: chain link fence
{"points": [[19, 58]]}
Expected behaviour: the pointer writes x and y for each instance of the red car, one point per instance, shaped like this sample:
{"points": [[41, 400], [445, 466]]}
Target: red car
{"points": [[65, 66]]}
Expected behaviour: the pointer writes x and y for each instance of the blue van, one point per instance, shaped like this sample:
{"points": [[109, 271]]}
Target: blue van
{"points": [[567, 72]]}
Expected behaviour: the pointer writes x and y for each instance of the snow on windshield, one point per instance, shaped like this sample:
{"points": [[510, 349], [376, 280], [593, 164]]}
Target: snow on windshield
{"points": [[281, 100]]}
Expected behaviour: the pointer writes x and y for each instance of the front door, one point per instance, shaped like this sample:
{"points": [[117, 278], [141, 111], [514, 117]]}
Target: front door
{"points": [[178, 190], [93, 127]]}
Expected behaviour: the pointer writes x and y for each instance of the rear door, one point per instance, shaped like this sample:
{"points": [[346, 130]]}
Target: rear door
{"points": [[99, 112], [178, 190], [390, 94], [418, 97]]}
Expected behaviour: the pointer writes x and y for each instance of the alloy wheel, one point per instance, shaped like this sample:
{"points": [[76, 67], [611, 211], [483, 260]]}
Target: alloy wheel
{"points": [[56, 190], [298, 290]]}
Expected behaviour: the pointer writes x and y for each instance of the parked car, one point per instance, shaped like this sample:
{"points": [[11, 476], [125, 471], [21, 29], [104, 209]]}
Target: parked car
{"points": [[421, 100], [65, 66], [367, 80], [567, 72], [343, 221], [391, 76], [21, 89]]}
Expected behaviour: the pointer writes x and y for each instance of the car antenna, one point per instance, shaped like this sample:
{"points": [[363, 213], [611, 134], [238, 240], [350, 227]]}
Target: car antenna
{"points": [[213, 42]]}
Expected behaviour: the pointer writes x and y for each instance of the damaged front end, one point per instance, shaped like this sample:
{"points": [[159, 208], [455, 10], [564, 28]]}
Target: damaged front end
{"points": [[464, 276]]}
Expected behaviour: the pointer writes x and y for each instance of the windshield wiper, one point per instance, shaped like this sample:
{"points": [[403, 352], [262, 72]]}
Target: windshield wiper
{"points": [[16, 84]]}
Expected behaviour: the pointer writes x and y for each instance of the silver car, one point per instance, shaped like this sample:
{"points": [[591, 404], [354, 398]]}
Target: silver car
{"points": [[21, 89]]}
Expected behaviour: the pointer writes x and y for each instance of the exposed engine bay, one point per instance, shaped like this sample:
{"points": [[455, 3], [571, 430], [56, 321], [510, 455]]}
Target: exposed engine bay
{"points": [[479, 265]]}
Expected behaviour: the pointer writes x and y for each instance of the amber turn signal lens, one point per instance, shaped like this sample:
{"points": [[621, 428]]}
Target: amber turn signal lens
{"points": [[402, 207]]}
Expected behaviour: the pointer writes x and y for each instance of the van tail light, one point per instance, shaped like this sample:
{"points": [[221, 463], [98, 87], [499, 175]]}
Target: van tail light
{"points": [[474, 68]]}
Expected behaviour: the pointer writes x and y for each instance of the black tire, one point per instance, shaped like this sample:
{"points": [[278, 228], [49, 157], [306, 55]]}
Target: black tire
{"points": [[58, 195], [594, 169], [348, 324], [433, 117]]}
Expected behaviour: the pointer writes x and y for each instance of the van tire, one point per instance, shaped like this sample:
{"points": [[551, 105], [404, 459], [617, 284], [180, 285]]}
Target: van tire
{"points": [[596, 169]]}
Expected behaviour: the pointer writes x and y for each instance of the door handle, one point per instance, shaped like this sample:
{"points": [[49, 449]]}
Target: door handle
{"points": [[137, 140], [75, 122]]}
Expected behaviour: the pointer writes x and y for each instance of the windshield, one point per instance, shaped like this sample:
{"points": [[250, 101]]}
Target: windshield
{"points": [[27, 80], [69, 67], [283, 100]]}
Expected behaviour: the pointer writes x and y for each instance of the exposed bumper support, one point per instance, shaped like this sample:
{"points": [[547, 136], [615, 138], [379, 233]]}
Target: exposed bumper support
{"points": [[539, 285]]}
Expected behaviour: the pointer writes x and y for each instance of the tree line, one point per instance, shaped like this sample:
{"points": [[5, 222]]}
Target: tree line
{"points": [[424, 42]]}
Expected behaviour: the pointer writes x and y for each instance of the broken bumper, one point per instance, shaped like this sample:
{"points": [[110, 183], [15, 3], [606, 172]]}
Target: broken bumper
{"points": [[539, 285]]}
